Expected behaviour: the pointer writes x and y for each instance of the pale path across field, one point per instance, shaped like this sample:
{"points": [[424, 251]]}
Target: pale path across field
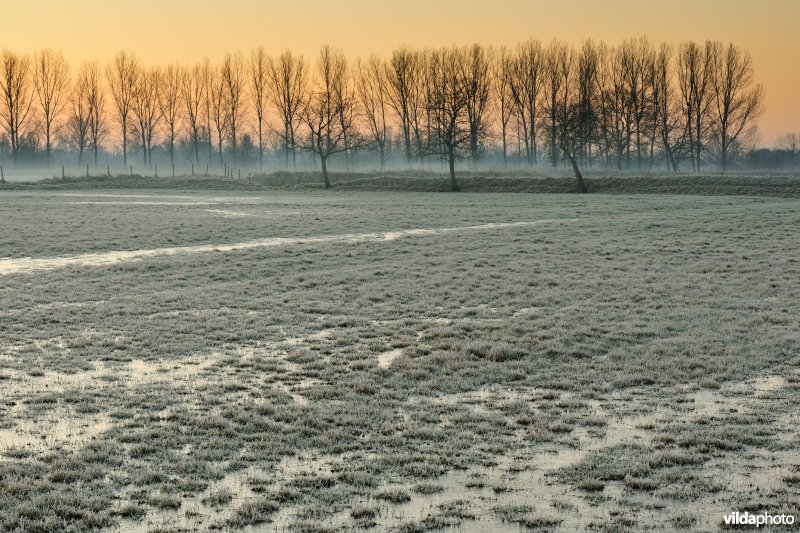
{"points": [[24, 265]]}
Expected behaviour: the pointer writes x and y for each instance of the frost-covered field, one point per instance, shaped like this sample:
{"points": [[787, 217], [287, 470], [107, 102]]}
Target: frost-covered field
{"points": [[195, 360]]}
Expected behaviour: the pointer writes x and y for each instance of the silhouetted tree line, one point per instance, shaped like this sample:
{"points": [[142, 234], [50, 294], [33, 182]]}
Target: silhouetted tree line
{"points": [[633, 106]]}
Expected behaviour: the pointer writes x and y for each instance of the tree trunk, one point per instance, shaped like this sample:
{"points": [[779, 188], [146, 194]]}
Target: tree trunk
{"points": [[324, 161], [286, 145], [505, 156], [124, 143], [260, 144], [577, 171], [473, 147], [407, 141], [451, 157], [47, 134]]}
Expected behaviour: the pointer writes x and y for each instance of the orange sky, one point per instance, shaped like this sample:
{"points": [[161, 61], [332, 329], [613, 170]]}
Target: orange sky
{"points": [[159, 31]]}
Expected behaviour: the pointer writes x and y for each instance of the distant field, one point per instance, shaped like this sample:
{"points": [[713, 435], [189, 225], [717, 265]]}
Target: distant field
{"points": [[193, 359]]}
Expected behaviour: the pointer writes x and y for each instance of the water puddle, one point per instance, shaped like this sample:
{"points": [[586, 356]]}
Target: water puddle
{"points": [[198, 198], [56, 429], [141, 203], [240, 214], [215, 505], [26, 265], [386, 358]]}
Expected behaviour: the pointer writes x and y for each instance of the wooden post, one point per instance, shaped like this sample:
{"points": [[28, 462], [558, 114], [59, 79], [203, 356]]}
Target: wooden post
{"points": [[62, 172], [206, 169], [173, 170], [192, 169], [2, 174], [156, 171], [87, 171], [240, 173], [108, 170]]}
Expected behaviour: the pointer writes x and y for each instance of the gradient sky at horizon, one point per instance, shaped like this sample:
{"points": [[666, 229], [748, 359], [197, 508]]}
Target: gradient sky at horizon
{"points": [[163, 31]]}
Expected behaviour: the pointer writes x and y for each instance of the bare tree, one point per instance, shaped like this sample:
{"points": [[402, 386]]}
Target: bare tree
{"points": [[219, 108], [615, 108], [208, 77], [193, 93], [288, 92], [347, 114], [558, 60], [477, 78], [96, 106], [586, 67], [790, 142], [738, 100], [664, 105], [636, 56], [122, 75], [423, 125], [695, 64], [503, 95], [527, 78], [169, 99], [570, 120], [259, 82], [51, 84], [372, 91], [448, 105], [233, 78], [15, 85], [568, 127], [78, 122], [404, 77], [331, 109], [146, 110]]}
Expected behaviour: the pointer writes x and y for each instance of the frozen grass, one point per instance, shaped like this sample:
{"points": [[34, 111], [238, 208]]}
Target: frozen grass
{"points": [[635, 368]]}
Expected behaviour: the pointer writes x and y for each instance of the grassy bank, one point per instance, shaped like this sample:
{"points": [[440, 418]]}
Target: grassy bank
{"points": [[778, 185]]}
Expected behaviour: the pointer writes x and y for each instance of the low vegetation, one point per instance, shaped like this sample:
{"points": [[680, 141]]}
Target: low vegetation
{"points": [[631, 362]]}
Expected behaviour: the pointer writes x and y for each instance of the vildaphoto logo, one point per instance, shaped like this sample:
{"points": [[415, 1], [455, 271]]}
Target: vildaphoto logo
{"points": [[763, 519]]}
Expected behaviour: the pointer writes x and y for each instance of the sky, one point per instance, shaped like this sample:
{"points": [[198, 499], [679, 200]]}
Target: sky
{"points": [[163, 31]]}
